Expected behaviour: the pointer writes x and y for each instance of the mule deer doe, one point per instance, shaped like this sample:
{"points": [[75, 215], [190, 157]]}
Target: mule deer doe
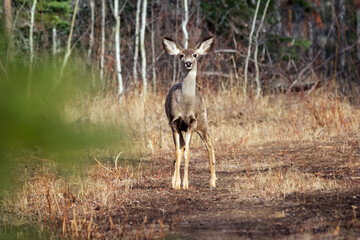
{"points": [[185, 108]]}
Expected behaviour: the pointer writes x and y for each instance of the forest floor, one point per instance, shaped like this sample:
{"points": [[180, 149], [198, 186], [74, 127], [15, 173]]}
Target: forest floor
{"points": [[275, 190], [241, 207]]}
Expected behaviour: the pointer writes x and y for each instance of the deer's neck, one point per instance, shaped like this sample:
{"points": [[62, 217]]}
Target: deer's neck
{"points": [[188, 85]]}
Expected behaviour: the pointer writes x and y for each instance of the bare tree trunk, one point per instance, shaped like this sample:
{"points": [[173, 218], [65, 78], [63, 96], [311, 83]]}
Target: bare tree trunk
{"points": [[358, 32], [197, 22], [136, 51], [117, 48], [278, 18], [7, 9], [54, 40], [342, 56], [323, 34], [7, 17], [142, 47], [91, 42], [103, 16], [249, 48], [153, 46], [31, 32], [31, 44], [68, 47], [258, 85], [311, 24], [175, 59], [185, 21]]}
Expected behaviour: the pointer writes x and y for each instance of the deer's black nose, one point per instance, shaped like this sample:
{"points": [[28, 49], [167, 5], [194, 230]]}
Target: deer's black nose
{"points": [[188, 64]]}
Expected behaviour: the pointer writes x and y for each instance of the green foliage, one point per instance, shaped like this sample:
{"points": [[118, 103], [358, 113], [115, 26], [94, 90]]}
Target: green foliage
{"points": [[39, 124], [56, 13], [289, 47], [230, 15]]}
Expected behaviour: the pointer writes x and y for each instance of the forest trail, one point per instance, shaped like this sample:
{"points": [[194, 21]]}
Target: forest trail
{"points": [[272, 191]]}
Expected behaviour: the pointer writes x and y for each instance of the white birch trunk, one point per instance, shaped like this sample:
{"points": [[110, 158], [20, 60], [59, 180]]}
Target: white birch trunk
{"points": [[68, 47], [31, 44], [184, 24], [153, 46], [54, 40], [175, 58], [142, 47], [31, 33], [117, 48], [249, 48], [258, 85], [103, 6], [136, 51], [91, 41]]}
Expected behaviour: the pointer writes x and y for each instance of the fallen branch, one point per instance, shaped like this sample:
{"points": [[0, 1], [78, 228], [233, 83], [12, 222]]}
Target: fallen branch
{"points": [[106, 167]]}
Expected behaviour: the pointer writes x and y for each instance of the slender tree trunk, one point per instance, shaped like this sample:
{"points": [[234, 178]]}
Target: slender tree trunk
{"points": [[249, 48], [31, 32], [175, 59], [358, 32], [103, 12], [7, 9], [197, 22], [142, 47], [7, 17], [31, 44], [136, 51], [117, 48], [68, 46], [278, 18], [54, 40], [185, 22], [92, 24], [153, 45], [311, 24], [258, 85], [323, 34], [342, 56]]}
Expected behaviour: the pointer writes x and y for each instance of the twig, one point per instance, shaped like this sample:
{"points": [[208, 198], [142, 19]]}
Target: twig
{"points": [[105, 167], [116, 159]]}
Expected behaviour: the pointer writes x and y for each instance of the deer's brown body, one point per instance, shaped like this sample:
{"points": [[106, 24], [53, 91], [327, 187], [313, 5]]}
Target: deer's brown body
{"points": [[185, 109]]}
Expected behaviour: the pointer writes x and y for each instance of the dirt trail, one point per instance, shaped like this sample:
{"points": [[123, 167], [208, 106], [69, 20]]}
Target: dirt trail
{"points": [[240, 207]]}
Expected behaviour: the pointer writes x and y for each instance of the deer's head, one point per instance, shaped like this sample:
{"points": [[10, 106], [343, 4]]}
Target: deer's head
{"points": [[188, 57]]}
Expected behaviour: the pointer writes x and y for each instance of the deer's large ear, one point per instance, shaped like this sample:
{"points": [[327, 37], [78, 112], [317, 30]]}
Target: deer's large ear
{"points": [[170, 46], [205, 46]]}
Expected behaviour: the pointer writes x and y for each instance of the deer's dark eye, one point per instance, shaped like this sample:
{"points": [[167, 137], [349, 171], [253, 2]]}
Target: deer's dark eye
{"points": [[195, 55], [181, 56]]}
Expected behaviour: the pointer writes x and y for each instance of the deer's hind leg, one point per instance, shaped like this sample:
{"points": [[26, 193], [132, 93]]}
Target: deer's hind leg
{"points": [[205, 136]]}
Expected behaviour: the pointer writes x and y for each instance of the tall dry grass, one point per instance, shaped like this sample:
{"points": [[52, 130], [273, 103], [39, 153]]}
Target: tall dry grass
{"points": [[233, 118]]}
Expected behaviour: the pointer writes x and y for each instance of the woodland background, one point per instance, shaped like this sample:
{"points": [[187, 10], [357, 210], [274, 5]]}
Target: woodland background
{"points": [[301, 43]]}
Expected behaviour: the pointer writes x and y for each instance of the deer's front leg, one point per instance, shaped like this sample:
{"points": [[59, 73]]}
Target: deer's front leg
{"points": [[176, 178], [188, 136]]}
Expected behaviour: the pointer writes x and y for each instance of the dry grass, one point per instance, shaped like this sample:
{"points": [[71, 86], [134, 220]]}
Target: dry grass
{"points": [[77, 207], [233, 119]]}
